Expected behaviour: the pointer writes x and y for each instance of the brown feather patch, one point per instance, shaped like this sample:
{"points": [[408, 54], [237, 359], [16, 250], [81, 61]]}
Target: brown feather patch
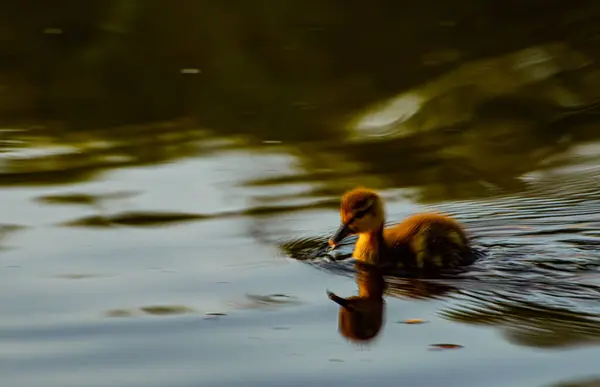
{"points": [[356, 200]]}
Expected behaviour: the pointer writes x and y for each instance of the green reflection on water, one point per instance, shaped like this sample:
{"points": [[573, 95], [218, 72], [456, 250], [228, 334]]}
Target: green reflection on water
{"points": [[121, 83], [591, 382]]}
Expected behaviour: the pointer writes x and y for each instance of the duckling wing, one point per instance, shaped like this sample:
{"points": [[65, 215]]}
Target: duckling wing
{"points": [[432, 240]]}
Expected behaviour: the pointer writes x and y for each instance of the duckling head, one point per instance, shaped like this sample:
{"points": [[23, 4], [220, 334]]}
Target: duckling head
{"points": [[361, 211]]}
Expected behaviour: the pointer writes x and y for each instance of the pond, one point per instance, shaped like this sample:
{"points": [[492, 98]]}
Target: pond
{"points": [[171, 172]]}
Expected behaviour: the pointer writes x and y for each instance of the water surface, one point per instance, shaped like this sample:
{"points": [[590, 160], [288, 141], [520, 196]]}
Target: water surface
{"points": [[170, 175]]}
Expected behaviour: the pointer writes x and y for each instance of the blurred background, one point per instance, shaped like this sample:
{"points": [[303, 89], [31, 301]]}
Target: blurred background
{"points": [[410, 94], [154, 154]]}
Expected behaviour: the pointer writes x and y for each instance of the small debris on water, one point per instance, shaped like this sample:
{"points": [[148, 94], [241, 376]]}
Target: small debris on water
{"points": [[161, 310], [213, 316], [413, 321], [53, 31], [120, 313], [190, 71], [439, 347]]}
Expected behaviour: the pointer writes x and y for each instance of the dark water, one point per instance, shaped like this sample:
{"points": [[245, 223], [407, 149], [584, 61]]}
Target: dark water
{"points": [[171, 171]]}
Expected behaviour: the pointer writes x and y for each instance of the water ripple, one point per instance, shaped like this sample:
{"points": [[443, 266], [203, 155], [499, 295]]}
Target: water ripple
{"points": [[538, 272]]}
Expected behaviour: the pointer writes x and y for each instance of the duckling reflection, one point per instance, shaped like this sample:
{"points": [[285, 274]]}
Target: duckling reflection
{"points": [[424, 242], [361, 317]]}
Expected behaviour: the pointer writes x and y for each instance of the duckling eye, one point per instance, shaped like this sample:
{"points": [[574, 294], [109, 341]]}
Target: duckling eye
{"points": [[359, 214]]}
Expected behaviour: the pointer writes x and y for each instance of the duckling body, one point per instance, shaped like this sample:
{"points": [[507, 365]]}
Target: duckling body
{"points": [[425, 241]]}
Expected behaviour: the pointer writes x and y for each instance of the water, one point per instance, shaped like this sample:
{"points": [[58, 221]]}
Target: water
{"points": [[170, 175], [73, 297]]}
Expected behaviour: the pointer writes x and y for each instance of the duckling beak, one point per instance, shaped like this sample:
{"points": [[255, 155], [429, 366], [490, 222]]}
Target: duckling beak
{"points": [[339, 300], [340, 234]]}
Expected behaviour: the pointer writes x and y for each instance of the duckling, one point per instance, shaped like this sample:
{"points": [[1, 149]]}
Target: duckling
{"points": [[425, 241]]}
